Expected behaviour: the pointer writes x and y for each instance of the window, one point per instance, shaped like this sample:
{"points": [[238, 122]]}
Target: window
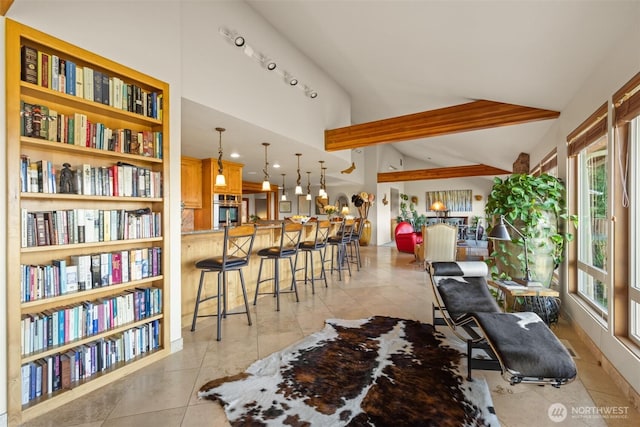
{"points": [[589, 149], [592, 227]]}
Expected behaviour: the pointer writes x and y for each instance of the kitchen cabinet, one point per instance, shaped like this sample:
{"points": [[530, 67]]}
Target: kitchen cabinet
{"points": [[191, 182], [203, 218]]}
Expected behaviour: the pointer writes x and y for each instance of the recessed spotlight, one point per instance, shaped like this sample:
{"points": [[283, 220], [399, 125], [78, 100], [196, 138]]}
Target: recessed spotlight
{"points": [[234, 155], [293, 81], [239, 41], [271, 66], [276, 165]]}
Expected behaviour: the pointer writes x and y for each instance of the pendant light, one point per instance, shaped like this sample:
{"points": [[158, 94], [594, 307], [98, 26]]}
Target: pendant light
{"points": [[220, 179], [308, 185], [298, 186], [266, 186], [321, 191], [324, 184], [284, 192]]}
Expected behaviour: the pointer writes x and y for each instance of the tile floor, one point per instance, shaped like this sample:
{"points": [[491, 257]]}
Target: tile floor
{"points": [[165, 393]]}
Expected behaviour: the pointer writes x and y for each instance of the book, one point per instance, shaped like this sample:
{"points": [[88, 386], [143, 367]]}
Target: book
{"points": [[72, 278], [105, 89], [26, 118], [87, 81], [116, 268], [29, 65], [95, 271], [55, 72], [43, 69], [61, 264], [79, 82], [105, 269], [97, 86], [41, 238], [86, 180]]}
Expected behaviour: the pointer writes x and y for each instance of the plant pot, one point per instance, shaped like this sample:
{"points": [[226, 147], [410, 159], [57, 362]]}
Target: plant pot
{"points": [[365, 236]]}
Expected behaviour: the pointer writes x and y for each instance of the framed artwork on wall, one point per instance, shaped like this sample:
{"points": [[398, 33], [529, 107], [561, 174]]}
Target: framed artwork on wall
{"points": [[453, 200], [320, 204], [285, 206]]}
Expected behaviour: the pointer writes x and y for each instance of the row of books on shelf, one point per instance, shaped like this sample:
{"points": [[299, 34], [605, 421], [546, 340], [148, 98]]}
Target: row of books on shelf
{"points": [[40, 121], [119, 180], [60, 326], [85, 272], [71, 226], [64, 75], [62, 371]]}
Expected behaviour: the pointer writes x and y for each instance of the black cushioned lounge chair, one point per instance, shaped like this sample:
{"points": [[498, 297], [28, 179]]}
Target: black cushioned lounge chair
{"points": [[520, 345]]}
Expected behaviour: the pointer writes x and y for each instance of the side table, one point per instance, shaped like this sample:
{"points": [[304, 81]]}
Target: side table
{"points": [[510, 290]]}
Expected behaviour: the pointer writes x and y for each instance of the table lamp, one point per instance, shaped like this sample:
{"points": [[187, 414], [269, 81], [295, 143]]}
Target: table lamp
{"points": [[500, 232]]}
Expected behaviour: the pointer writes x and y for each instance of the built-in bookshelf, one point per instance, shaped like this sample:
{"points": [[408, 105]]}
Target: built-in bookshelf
{"points": [[87, 235]]}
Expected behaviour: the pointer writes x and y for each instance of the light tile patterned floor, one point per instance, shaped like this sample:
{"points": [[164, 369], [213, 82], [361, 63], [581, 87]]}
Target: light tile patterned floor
{"points": [[165, 393]]}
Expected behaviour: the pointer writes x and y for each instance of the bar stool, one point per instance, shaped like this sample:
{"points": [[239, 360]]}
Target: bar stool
{"points": [[236, 251], [288, 248], [354, 243], [308, 247], [340, 241]]}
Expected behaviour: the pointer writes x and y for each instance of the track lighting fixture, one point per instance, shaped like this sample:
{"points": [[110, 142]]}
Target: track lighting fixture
{"points": [[310, 92], [265, 61], [266, 186], [298, 186], [220, 179], [284, 191], [290, 79], [308, 185]]}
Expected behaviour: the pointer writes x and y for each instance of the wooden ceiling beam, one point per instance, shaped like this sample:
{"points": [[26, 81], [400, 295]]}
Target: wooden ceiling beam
{"points": [[467, 117], [441, 173], [4, 6]]}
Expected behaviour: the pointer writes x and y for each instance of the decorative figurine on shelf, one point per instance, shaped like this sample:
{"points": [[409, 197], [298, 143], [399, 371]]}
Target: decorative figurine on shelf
{"points": [[66, 179]]}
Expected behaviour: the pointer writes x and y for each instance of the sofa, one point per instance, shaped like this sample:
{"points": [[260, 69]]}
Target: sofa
{"points": [[407, 238]]}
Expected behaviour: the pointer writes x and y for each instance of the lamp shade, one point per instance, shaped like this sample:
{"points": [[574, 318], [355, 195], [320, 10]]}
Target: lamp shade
{"points": [[500, 232], [298, 189], [345, 210], [220, 180], [438, 206], [266, 186]]}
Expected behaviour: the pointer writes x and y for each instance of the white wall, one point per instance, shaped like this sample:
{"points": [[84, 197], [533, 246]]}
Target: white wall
{"points": [[215, 74]]}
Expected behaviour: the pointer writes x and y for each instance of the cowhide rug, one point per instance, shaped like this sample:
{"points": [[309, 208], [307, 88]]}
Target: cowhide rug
{"points": [[380, 371]]}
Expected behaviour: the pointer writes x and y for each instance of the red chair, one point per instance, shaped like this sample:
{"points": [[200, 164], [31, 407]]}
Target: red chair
{"points": [[407, 238]]}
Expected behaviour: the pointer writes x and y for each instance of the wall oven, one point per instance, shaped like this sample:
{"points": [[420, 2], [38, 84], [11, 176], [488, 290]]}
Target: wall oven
{"points": [[226, 210]]}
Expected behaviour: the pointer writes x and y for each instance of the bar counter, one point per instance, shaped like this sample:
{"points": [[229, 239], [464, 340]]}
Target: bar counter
{"points": [[201, 244]]}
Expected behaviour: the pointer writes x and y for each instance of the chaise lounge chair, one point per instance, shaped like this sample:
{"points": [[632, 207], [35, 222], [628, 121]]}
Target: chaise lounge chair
{"points": [[520, 345]]}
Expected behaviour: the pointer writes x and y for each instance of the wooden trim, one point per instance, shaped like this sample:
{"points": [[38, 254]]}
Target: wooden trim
{"points": [[628, 89], [5, 5], [471, 116], [591, 121], [441, 173], [628, 109]]}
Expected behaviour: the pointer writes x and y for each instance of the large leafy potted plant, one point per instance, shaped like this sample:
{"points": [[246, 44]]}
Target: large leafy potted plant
{"points": [[536, 206], [408, 213]]}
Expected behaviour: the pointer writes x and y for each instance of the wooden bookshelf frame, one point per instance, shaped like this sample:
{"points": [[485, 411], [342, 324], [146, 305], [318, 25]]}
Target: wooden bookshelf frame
{"points": [[17, 90]]}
